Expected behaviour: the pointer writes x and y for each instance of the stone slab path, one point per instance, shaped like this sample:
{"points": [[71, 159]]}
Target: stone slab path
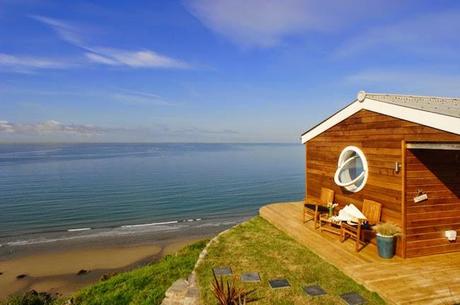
{"points": [[183, 292], [186, 292]]}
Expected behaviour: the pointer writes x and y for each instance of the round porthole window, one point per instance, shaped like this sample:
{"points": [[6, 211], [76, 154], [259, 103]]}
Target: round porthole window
{"points": [[352, 169]]}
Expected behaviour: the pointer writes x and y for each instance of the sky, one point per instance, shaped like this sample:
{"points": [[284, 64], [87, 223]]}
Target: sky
{"points": [[212, 70]]}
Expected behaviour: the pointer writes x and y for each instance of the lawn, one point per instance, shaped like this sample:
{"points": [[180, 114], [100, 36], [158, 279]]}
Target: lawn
{"points": [[257, 246]]}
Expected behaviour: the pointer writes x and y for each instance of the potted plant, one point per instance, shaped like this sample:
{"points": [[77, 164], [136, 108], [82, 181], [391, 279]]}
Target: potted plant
{"points": [[386, 233]]}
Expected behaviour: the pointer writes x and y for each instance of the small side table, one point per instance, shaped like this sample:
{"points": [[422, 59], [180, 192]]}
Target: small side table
{"points": [[327, 224]]}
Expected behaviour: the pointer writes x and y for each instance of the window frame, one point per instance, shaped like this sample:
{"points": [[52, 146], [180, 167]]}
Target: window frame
{"points": [[343, 160]]}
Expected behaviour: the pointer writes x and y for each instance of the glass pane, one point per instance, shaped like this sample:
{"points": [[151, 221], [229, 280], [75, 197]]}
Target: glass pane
{"points": [[352, 169], [356, 167]]}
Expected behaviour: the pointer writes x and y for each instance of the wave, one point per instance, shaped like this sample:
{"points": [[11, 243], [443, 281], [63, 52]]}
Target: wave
{"points": [[149, 224], [131, 229], [78, 230], [160, 223]]}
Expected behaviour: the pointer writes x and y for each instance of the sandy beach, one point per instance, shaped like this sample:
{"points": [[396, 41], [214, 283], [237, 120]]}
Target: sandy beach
{"points": [[54, 268]]}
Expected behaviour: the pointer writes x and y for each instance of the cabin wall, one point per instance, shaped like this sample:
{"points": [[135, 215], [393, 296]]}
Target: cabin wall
{"points": [[436, 173], [380, 138]]}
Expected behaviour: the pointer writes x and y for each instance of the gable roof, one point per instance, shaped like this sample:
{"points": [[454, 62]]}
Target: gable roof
{"points": [[438, 112], [441, 105]]}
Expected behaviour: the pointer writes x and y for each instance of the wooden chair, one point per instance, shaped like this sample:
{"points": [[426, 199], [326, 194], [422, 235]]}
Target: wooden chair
{"points": [[373, 211], [318, 206]]}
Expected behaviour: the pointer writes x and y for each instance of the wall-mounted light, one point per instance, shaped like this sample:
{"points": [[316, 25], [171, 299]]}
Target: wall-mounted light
{"points": [[451, 235], [397, 167]]}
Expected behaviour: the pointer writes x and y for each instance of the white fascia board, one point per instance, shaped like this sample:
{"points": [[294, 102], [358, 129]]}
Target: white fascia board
{"points": [[434, 120], [332, 121]]}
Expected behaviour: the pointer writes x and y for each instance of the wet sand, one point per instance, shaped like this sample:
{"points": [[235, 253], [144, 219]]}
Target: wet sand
{"points": [[54, 269]]}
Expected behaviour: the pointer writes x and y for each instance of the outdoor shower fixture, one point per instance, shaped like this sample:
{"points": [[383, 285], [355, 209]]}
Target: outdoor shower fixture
{"points": [[451, 235]]}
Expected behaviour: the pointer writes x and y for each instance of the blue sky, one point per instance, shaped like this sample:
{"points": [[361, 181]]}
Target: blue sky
{"points": [[212, 70]]}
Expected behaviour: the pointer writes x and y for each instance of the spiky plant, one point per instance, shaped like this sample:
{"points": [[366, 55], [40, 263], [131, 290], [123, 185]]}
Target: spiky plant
{"points": [[387, 229], [229, 294]]}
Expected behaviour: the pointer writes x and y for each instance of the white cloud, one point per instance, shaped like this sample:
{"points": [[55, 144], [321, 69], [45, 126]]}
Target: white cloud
{"points": [[50, 127], [264, 23], [28, 63], [56, 131], [133, 59], [432, 34], [407, 81], [5, 126]]}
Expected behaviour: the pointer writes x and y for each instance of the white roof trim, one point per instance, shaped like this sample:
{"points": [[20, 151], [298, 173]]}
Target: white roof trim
{"points": [[434, 120], [332, 121]]}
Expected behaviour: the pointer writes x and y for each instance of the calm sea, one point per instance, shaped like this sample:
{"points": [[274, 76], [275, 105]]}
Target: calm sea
{"points": [[75, 188]]}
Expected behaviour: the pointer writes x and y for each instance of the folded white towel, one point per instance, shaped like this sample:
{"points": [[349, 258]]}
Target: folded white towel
{"points": [[349, 213]]}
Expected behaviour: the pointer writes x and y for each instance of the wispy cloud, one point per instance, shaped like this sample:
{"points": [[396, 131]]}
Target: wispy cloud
{"points": [[133, 59], [265, 23], [407, 81], [141, 98], [50, 127], [125, 96], [428, 34], [144, 58], [66, 32], [27, 64]]}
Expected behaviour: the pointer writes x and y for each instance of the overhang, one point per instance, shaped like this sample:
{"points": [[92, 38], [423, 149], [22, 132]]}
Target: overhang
{"points": [[443, 115]]}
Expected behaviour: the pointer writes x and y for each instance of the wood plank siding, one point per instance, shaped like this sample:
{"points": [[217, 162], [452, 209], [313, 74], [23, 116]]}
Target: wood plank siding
{"points": [[381, 138], [437, 173]]}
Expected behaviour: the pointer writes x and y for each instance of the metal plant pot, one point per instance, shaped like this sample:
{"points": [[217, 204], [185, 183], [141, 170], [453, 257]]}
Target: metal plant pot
{"points": [[386, 246]]}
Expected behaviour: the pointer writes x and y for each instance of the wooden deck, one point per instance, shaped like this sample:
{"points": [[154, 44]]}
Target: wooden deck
{"points": [[431, 279]]}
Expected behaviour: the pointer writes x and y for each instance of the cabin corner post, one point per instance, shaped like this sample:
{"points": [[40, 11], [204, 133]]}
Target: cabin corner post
{"points": [[306, 170], [403, 199]]}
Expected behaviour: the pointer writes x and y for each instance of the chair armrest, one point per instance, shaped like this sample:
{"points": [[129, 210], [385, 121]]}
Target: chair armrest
{"points": [[312, 200], [322, 209]]}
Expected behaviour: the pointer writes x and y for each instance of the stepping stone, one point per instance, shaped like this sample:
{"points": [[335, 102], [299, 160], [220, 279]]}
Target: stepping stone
{"points": [[352, 298], [222, 271], [178, 288], [314, 290], [279, 283], [250, 277]]}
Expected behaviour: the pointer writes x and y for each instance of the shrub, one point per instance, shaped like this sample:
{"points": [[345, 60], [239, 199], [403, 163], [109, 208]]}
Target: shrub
{"points": [[31, 298], [387, 229]]}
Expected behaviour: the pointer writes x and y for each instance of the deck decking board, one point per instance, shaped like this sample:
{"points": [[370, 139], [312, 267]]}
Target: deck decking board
{"points": [[425, 280]]}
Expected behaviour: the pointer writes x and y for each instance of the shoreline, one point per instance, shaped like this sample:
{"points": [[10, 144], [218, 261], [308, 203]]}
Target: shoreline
{"points": [[53, 266]]}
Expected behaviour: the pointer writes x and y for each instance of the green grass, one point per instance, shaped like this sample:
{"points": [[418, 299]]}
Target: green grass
{"points": [[146, 285], [252, 246], [258, 246]]}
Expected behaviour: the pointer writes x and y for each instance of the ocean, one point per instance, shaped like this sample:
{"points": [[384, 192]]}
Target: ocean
{"points": [[52, 192]]}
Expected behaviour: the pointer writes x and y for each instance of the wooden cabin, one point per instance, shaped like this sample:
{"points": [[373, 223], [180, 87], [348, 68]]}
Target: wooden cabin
{"points": [[402, 151]]}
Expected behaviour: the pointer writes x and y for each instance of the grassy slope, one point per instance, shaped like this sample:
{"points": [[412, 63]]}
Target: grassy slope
{"points": [[146, 285], [259, 246]]}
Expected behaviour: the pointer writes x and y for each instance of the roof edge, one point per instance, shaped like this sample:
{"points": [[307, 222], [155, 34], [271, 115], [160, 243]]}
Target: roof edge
{"points": [[435, 120]]}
